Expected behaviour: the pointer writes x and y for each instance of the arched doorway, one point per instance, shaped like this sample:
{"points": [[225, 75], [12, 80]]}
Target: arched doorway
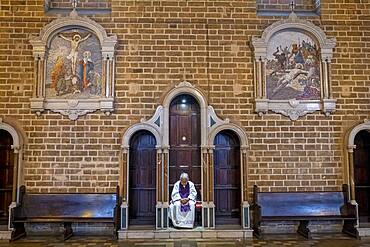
{"points": [[361, 162], [6, 173], [184, 140], [227, 178], [142, 179]]}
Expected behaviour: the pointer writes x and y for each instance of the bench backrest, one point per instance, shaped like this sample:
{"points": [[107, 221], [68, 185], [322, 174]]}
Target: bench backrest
{"points": [[292, 204], [68, 205]]}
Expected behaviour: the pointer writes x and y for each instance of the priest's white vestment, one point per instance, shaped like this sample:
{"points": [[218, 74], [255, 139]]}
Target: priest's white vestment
{"points": [[182, 215]]}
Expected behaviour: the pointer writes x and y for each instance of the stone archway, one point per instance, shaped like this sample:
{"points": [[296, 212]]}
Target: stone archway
{"points": [[350, 148], [17, 147], [351, 166], [153, 127], [219, 127], [159, 126]]}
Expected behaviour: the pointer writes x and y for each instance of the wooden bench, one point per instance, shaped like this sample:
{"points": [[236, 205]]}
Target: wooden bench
{"points": [[304, 207], [66, 208]]}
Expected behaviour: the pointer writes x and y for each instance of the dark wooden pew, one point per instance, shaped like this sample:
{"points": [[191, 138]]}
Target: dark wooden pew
{"points": [[304, 207], [66, 208]]}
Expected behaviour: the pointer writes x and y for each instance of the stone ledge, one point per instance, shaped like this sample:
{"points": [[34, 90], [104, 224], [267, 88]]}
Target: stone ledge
{"points": [[5, 235], [364, 231], [188, 234]]}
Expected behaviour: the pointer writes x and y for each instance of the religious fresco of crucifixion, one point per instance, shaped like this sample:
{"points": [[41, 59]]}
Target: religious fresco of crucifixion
{"points": [[292, 67], [74, 66]]}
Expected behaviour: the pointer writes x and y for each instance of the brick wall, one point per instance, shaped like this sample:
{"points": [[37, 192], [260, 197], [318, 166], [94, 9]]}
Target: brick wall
{"points": [[96, 4], [284, 5], [208, 43]]}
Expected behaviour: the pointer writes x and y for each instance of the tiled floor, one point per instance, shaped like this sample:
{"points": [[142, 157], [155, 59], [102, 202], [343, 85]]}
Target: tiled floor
{"points": [[270, 241]]}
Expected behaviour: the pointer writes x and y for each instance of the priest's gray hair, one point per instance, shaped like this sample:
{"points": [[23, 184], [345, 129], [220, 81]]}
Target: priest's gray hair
{"points": [[184, 175]]}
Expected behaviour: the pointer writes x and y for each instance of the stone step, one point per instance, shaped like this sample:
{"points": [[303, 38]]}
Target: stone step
{"points": [[5, 235], [364, 231], [185, 234]]}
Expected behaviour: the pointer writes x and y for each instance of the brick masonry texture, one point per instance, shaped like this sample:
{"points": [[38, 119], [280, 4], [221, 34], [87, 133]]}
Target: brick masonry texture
{"points": [[207, 43], [284, 5], [96, 4]]}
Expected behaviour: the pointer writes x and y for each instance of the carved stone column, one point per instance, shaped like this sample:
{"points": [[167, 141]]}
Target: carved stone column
{"points": [[351, 172], [37, 102], [165, 180], [329, 104], [352, 181], [324, 67], [159, 189], [211, 175], [205, 176], [244, 191], [108, 82], [124, 187], [15, 187], [260, 84], [260, 76], [15, 173], [205, 186]]}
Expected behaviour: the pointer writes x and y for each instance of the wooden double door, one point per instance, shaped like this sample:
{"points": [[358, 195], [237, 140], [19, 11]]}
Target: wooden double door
{"points": [[6, 173], [361, 162]]}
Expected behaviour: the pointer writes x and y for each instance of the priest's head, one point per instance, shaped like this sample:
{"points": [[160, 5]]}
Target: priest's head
{"points": [[184, 178]]}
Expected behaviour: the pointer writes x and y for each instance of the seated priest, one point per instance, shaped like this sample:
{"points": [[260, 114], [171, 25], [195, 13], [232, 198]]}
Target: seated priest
{"points": [[182, 207]]}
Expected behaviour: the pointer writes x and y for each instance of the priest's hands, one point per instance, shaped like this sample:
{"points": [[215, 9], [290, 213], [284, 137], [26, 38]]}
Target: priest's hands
{"points": [[184, 200]]}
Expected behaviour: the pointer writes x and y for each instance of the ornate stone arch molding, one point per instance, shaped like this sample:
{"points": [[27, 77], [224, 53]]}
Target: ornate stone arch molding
{"points": [[17, 146], [185, 87], [153, 125], [278, 70], [350, 141], [73, 81], [215, 126]]}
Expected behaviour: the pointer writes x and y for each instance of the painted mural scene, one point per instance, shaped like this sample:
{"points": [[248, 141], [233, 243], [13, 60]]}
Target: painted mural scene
{"points": [[184, 123], [293, 67], [74, 66]]}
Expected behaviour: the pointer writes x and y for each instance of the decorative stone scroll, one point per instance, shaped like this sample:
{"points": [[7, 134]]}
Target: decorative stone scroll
{"points": [[292, 69], [74, 67]]}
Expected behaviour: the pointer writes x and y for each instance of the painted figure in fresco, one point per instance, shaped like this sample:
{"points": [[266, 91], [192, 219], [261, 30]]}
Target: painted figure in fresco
{"points": [[60, 79], [288, 78], [280, 57], [182, 207], [73, 55], [312, 88], [86, 68], [293, 68]]}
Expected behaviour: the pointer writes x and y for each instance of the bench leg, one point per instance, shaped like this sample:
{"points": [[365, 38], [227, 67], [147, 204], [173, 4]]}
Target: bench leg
{"points": [[257, 232], [19, 231], [350, 229], [68, 232], [303, 229], [115, 232]]}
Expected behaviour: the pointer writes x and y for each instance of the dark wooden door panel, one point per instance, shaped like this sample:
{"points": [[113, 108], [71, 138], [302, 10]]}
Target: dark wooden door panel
{"points": [[227, 178], [361, 160], [6, 172], [142, 179], [185, 140]]}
